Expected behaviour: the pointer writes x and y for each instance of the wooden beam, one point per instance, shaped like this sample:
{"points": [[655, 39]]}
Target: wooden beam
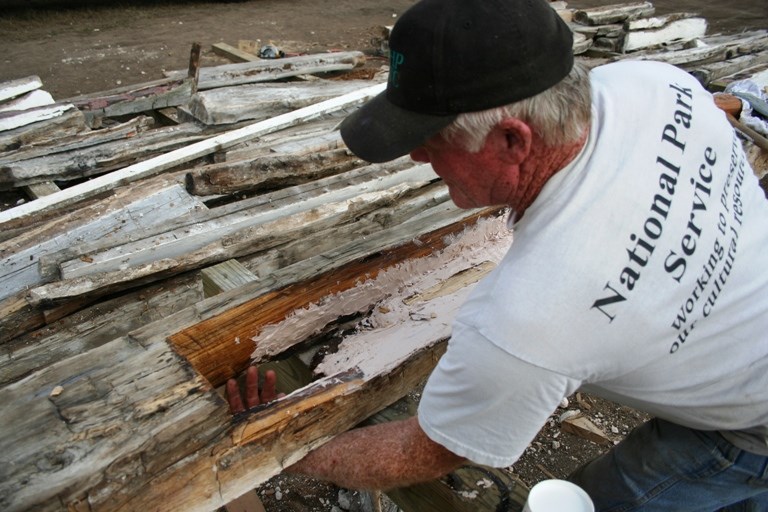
{"points": [[269, 171], [225, 105], [136, 99], [264, 70], [20, 268], [71, 122], [613, 13], [113, 269]]}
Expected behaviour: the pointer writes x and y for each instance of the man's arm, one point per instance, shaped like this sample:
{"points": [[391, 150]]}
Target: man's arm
{"points": [[384, 456]]}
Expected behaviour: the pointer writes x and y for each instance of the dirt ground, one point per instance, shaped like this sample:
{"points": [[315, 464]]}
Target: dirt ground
{"points": [[81, 47], [105, 45], [99, 47]]}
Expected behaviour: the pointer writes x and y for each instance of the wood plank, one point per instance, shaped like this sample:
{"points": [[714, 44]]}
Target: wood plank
{"points": [[428, 201], [232, 53], [17, 119], [21, 270], [12, 88], [92, 327], [136, 99], [321, 197], [613, 13], [84, 138], [79, 280], [716, 75], [229, 105], [160, 163], [265, 70], [38, 190], [100, 158], [29, 100], [271, 171], [680, 30]]}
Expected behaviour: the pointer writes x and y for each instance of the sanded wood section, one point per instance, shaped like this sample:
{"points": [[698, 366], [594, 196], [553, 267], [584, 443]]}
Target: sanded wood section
{"points": [[217, 346]]}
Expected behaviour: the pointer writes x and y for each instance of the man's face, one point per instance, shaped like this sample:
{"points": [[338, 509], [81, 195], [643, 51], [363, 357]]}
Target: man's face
{"points": [[473, 179]]}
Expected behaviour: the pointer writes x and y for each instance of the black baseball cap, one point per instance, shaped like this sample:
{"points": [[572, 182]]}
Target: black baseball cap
{"points": [[448, 57]]}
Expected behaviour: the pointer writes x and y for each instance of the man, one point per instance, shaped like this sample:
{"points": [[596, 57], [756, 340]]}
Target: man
{"points": [[637, 272]]}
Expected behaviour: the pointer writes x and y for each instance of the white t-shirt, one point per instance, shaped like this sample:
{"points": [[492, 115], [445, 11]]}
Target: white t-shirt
{"points": [[638, 274]]}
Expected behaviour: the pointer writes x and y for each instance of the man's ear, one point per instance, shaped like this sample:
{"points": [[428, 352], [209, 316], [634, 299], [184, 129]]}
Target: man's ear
{"points": [[518, 137]]}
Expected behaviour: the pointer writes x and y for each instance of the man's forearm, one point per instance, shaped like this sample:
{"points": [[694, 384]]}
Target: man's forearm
{"points": [[382, 456]]}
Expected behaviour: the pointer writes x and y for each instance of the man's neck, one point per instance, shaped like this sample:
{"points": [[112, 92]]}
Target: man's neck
{"points": [[542, 163]]}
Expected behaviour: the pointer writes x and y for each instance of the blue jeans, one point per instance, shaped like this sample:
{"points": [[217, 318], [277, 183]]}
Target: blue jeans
{"points": [[662, 466]]}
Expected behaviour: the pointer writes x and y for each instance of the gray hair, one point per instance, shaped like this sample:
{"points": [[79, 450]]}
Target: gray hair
{"points": [[559, 115]]}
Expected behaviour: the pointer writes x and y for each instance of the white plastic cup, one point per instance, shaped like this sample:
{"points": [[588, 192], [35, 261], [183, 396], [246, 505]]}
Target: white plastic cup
{"points": [[558, 496]]}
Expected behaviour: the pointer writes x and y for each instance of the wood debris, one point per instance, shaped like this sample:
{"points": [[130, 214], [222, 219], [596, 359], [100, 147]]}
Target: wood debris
{"points": [[584, 428]]}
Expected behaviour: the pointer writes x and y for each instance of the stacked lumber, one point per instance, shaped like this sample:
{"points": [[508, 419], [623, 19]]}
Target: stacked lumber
{"points": [[173, 232], [633, 31]]}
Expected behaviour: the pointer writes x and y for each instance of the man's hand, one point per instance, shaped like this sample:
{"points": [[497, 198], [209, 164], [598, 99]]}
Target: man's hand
{"points": [[252, 395]]}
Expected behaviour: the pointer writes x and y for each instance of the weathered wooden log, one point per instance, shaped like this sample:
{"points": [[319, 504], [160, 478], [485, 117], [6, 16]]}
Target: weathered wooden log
{"points": [[158, 164], [713, 49], [84, 139], [427, 202], [613, 13], [20, 268], [744, 66], [265, 70], [94, 326], [94, 160], [71, 122], [182, 233], [269, 172], [135, 99], [229, 105]]}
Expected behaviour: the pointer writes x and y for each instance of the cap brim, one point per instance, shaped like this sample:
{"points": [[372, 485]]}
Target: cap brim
{"points": [[381, 131]]}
